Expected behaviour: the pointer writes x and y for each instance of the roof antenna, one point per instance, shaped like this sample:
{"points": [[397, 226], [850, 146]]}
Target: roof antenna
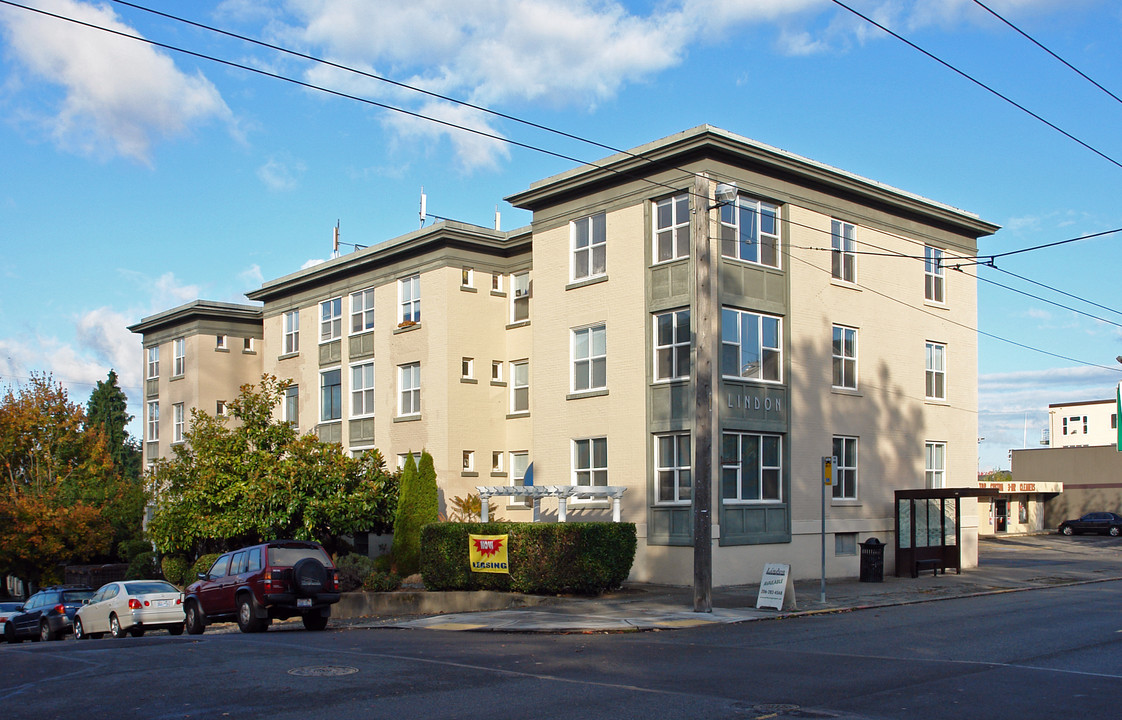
{"points": [[497, 218], [335, 245], [423, 202]]}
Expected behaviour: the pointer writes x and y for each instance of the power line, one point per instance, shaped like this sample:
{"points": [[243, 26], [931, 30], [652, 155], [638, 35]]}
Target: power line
{"points": [[1039, 45], [979, 83]]}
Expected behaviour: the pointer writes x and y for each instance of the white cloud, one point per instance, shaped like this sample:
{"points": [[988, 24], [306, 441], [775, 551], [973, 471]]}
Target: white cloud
{"points": [[281, 175], [251, 276], [119, 95], [312, 263]]}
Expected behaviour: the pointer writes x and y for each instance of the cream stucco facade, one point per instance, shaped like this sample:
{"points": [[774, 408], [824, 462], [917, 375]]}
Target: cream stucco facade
{"points": [[571, 344]]}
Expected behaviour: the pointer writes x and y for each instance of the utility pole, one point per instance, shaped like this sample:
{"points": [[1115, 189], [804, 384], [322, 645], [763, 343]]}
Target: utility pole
{"points": [[704, 321]]}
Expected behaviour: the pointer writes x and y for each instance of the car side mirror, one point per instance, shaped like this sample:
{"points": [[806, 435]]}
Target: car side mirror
{"points": [[202, 576]]}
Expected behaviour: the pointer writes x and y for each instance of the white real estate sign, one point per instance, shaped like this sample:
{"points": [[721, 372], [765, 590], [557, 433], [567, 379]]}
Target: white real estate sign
{"points": [[776, 589]]}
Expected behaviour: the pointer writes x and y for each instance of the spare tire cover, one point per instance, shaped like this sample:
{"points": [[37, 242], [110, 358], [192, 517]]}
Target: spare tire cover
{"points": [[309, 576]]}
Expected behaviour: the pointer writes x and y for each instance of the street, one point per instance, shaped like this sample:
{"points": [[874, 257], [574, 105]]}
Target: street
{"points": [[1038, 654]]}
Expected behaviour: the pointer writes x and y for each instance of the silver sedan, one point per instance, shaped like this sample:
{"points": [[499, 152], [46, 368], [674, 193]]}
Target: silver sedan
{"points": [[130, 607]]}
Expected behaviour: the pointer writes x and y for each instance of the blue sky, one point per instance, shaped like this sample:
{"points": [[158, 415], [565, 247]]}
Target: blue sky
{"points": [[135, 178]]}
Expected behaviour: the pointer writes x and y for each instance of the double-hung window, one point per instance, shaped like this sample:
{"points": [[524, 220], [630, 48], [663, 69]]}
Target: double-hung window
{"points": [[153, 421], [843, 245], [409, 382], [292, 332], [751, 345], [672, 228], [520, 387], [292, 405], [935, 361], [409, 294], [362, 311], [933, 279], [590, 358], [751, 467], [590, 462], [935, 465], [153, 362], [672, 345], [590, 244], [179, 422], [672, 468], [331, 395], [750, 231], [330, 319], [362, 390], [520, 302], [179, 356], [844, 350], [519, 463], [845, 472]]}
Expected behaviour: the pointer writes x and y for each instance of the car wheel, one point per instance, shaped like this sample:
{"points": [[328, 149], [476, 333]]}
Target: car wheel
{"points": [[193, 620], [1066, 530], [45, 631], [115, 627], [10, 633], [136, 631], [314, 621], [79, 631], [1115, 530], [248, 621], [176, 629]]}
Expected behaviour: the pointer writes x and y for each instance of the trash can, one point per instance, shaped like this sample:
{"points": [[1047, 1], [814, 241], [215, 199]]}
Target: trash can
{"points": [[872, 560]]}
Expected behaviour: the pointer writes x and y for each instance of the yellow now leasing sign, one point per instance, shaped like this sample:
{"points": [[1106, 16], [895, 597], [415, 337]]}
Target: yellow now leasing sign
{"points": [[487, 553]]}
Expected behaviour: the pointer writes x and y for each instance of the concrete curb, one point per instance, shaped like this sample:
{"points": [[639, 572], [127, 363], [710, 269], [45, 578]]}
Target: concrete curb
{"points": [[420, 602]]}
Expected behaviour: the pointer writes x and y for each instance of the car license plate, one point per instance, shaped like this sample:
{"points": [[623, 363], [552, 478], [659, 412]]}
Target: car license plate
{"points": [[162, 603], [303, 602]]}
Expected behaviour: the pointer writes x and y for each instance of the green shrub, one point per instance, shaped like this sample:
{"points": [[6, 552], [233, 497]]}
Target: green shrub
{"points": [[382, 582], [544, 558], [383, 563], [177, 570], [353, 570], [143, 566], [203, 564], [417, 506]]}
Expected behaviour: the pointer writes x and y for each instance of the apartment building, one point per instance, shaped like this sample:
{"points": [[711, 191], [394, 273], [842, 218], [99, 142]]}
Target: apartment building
{"points": [[842, 330], [1079, 424]]}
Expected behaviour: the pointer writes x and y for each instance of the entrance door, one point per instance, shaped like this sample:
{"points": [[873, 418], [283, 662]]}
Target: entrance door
{"points": [[1000, 515]]}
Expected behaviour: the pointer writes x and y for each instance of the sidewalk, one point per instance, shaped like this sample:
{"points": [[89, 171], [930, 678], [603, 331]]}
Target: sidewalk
{"points": [[1008, 564]]}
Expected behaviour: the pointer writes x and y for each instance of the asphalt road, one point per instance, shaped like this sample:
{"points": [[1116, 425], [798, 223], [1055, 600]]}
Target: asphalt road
{"points": [[1041, 654]]}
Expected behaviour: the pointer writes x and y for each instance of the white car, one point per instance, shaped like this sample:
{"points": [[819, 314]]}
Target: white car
{"points": [[130, 607]]}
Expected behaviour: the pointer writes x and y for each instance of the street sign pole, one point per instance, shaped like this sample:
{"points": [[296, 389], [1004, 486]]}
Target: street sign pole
{"points": [[828, 463]]}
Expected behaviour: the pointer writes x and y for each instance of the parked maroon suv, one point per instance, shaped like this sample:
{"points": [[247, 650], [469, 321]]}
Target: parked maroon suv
{"points": [[254, 585]]}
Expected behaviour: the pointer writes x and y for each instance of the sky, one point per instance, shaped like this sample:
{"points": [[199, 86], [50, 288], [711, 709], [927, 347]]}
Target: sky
{"points": [[135, 177]]}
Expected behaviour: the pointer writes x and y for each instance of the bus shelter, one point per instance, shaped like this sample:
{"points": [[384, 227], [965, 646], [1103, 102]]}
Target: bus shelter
{"points": [[929, 529]]}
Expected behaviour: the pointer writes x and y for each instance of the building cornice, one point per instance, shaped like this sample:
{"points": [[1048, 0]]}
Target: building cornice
{"points": [[199, 310]]}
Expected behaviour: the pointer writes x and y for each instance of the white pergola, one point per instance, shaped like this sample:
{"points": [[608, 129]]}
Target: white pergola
{"points": [[561, 492]]}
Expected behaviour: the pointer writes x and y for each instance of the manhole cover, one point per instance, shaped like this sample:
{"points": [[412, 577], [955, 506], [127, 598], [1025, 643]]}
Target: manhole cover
{"points": [[323, 671], [774, 708]]}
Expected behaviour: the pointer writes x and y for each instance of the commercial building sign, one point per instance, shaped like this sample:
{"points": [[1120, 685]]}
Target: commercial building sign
{"points": [[1022, 487], [488, 553]]}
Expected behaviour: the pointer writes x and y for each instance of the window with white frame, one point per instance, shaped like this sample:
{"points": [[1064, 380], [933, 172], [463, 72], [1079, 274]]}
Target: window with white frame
{"points": [[519, 462], [1072, 424], [409, 382], [520, 297], [590, 243], [467, 278], [520, 387], [935, 362], [331, 319], [220, 408], [750, 231], [179, 356], [153, 421], [362, 390], [844, 350], [469, 460], [933, 279], [590, 358], [935, 465], [590, 462], [751, 467], [220, 342], [496, 282], [330, 395], [179, 422], [672, 345], [843, 243], [292, 332], [409, 297], [404, 457], [751, 345], [672, 468], [672, 228], [362, 311], [467, 368], [845, 472], [496, 371], [153, 362], [247, 344], [497, 461], [292, 405]]}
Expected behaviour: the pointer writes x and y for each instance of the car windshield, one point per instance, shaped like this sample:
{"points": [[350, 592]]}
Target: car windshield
{"points": [[289, 556], [154, 586], [72, 596]]}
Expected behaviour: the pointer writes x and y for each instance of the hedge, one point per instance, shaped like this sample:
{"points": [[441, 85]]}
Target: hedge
{"points": [[543, 558]]}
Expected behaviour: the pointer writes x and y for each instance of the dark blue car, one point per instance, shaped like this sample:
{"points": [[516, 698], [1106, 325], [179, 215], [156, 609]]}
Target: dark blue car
{"points": [[1107, 523]]}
